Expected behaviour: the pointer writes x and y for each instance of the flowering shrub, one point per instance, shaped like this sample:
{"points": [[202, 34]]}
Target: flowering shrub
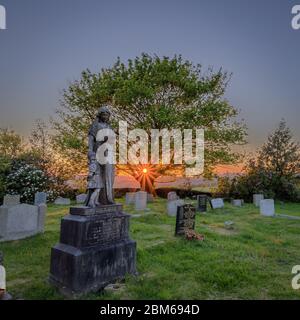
{"points": [[26, 180]]}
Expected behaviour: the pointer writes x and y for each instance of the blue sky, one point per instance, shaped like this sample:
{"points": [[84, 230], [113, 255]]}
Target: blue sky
{"points": [[49, 42]]}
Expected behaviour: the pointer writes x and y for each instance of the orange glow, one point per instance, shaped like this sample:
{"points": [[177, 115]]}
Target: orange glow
{"points": [[145, 170]]}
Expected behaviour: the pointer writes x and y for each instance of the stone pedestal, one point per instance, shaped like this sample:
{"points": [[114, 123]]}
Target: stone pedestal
{"points": [[94, 250]]}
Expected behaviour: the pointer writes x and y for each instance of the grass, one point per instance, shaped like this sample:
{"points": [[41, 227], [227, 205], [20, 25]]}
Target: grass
{"points": [[252, 261]]}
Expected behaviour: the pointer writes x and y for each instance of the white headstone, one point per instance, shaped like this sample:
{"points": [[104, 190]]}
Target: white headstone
{"points": [[150, 197], [256, 199], [141, 200], [62, 201], [40, 198], [267, 208], [172, 196], [217, 203], [172, 206], [11, 200], [130, 197], [80, 198], [237, 202], [21, 221], [2, 278]]}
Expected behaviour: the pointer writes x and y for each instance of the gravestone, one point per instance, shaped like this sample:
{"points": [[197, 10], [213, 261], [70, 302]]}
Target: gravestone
{"points": [[95, 248], [237, 202], [80, 198], [185, 219], [150, 197], [172, 206], [256, 199], [172, 196], [4, 295], [130, 198], [40, 198], [141, 200], [11, 200], [21, 221], [229, 224], [267, 208], [217, 203], [201, 203], [62, 201]]}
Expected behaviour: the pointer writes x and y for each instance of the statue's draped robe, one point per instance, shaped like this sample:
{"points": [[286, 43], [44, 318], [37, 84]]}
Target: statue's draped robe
{"points": [[105, 173]]}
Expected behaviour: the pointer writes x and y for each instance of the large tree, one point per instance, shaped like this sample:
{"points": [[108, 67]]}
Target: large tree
{"points": [[151, 92]]}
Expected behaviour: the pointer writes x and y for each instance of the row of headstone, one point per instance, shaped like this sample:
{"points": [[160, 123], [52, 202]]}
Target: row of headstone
{"points": [[20, 220]]}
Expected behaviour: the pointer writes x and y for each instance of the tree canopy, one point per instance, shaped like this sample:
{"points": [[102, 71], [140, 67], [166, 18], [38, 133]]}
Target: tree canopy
{"points": [[152, 92]]}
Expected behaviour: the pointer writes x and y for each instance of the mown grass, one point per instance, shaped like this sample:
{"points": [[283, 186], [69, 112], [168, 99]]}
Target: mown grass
{"points": [[251, 261]]}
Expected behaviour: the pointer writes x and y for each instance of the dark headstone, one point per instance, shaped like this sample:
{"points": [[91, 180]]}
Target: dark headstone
{"points": [[185, 219], [94, 250], [202, 203]]}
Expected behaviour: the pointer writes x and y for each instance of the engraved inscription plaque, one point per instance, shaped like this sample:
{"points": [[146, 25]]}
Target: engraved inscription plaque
{"points": [[185, 219]]}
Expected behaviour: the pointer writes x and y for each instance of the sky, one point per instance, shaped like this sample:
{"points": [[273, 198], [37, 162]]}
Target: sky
{"points": [[48, 43]]}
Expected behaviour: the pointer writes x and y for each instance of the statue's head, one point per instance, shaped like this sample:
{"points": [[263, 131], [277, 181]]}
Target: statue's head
{"points": [[103, 114]]}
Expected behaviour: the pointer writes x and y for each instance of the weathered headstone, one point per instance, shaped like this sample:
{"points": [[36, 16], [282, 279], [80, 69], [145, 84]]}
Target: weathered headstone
{"points": [[141, 200], [150, 197], [172, 196], [172, 206], [256, 199], [95, 248], [267, 208], [237, 202], [80, 198], [217, 203], [229, 224], [21, 221], [130, 198], [185, 219], [201, 203], [62, 201], [11, 200], [40, 198]]}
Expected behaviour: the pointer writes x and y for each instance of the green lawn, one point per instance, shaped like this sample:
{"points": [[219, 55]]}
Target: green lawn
{"points": [[252, 261]]}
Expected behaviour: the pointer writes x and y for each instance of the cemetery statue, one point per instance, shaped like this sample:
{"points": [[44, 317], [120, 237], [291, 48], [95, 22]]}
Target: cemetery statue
{"points": [[100, 176]]}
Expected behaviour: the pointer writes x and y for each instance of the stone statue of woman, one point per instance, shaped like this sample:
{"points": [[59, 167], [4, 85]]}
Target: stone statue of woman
{"points": [[100, 176]]}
